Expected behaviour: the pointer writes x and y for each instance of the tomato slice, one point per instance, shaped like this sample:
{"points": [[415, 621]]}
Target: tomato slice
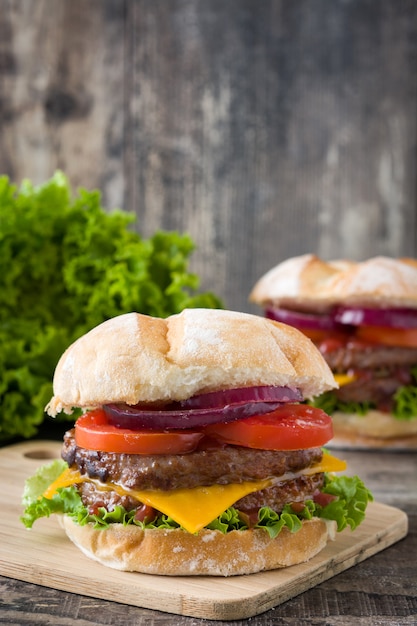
{"points": [[403, 337], [315, 334], [290, 427], [94, 432], [318, 335]]}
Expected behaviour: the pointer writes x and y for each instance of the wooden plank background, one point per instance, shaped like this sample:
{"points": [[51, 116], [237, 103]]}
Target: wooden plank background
{"points": [[264, 128]]}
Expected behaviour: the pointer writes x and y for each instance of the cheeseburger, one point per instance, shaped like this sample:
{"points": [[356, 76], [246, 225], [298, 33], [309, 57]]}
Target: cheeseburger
{"points": [[363, 318], [194, 453]]}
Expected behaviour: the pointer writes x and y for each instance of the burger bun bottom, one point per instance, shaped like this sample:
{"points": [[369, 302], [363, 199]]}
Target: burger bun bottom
{"points": [[375, 430], [175, 552]]}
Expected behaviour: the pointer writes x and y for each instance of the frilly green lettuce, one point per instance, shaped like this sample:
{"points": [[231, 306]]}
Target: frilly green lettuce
{"points": [[67, 265]]}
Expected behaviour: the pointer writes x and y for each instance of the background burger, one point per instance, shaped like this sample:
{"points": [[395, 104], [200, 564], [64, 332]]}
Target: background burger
{"points": [[363, 318], [194, 453]]}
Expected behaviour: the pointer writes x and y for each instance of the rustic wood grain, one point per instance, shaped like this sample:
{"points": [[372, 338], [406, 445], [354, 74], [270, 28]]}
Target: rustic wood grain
{"points": [[62, 92], [266, 129]]}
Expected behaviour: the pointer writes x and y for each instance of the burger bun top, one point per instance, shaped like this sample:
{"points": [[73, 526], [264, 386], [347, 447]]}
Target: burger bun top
{"points": [[135, 358], [307, 282]]}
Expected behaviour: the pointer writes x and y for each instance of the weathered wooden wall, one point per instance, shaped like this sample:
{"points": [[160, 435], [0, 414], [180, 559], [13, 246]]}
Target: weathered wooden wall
{"points": [[265, 128]]}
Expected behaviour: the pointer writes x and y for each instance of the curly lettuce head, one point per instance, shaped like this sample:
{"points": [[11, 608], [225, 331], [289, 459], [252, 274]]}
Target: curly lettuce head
{"points": [[67, 265]]}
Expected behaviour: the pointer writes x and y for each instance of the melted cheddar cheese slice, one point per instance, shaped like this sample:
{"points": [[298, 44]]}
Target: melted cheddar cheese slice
{"points": [[194, 508], [344, 379]]}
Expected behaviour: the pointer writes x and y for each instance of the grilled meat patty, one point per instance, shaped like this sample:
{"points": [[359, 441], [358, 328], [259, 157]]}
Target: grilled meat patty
{"points": [[354, 356], [377, 388], [215, 464], [379, 371]]}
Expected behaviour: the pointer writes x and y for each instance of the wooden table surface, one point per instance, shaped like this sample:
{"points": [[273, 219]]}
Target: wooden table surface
{"points": [[381, 590]]}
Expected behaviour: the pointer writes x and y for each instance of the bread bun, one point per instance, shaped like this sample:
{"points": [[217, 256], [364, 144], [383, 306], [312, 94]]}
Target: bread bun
{"points": [[209, 553], [307, 282], [136, 358], [373, 430]]}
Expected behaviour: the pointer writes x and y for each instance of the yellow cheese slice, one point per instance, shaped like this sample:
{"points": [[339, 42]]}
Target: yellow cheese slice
{"points": [[344, 379], [68, 477], [194, 508], [191, 508], [328, 463]]}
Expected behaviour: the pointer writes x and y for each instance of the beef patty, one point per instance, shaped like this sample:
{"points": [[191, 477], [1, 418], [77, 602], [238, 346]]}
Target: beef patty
{"points": [[223, 464], [380, 371], [354, 356], [220, 465]]}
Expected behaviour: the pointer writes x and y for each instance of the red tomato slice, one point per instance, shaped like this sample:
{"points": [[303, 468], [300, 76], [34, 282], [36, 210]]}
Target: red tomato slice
{"points": [[291, 427], [403, 337], [315, 334], [93, 432], [319, 335]]}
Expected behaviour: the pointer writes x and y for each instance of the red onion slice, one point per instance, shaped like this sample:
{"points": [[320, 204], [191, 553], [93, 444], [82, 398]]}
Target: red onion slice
{"points": [[203, 409], [392, 317], [316, 321], [263, 393]]}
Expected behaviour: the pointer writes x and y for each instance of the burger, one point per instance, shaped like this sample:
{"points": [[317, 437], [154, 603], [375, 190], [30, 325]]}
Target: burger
{"points": [[362, 316], [194, 453]]}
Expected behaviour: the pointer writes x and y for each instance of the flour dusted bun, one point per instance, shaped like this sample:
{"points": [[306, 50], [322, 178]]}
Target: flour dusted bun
{"points": [[136, 358], [311, 283], [300, 281], [373, 430], [174, 552]]}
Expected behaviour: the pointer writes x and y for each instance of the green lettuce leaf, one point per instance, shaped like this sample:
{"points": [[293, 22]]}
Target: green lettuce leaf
{"points": [[67, 265], [45, 475], [229, 520], [405, 403], [347, 509], [35, 505], [329, 403], [274, 522], [406, 399], [67, 501], [349, 506]]}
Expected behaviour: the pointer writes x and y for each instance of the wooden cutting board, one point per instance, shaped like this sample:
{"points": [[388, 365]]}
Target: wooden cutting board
{"points": [[44, 556]]}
